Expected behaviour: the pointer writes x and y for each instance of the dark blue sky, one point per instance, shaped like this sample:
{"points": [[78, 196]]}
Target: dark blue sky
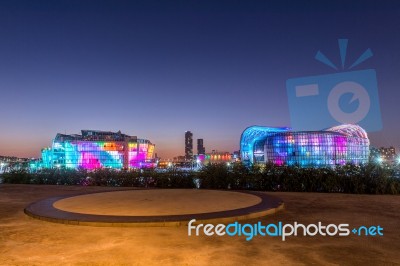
{"points": [[157, 68]]}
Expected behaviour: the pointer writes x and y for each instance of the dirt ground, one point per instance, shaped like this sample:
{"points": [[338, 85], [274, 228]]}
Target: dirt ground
{"points": [[27, 241]]}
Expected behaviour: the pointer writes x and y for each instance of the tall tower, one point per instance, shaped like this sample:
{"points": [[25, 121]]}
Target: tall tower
{"points": [[200, 147], [188, 145]]}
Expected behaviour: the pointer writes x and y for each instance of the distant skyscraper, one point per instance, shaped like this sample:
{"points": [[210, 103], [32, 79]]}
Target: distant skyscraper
{"points": [[200, 147], [188, 145]]}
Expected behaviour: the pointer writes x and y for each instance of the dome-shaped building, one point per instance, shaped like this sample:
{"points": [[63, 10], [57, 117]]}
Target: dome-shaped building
{"points": [[282, 146]]}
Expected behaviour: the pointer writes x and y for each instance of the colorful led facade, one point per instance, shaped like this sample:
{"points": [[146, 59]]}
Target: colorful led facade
{"points": [[281, 146], [98, 149]]}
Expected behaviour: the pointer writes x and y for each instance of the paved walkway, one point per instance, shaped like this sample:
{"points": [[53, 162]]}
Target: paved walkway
{"points": [[154, 207]]}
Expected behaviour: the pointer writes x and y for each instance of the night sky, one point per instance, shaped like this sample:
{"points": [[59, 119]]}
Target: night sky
{"points": [[155, 69]]}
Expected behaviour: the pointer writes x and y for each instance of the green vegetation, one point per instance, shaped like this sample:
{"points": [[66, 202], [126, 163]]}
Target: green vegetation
{"points": [[371, 178]]}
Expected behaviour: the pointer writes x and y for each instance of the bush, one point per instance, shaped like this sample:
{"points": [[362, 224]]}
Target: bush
{"points": [[370, 178], [17, 177]]}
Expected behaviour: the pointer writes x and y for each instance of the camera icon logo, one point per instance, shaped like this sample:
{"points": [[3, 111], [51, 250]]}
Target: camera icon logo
{"points": [[323, 101], [358, 92]]}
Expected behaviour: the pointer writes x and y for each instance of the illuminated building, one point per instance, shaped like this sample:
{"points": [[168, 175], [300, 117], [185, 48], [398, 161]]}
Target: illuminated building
{"points": [[98, 149], [9, 163], [374, 154], [388, 154], [188, 145], [236, 156], [215, 157], [282, 146], [200, 147]]}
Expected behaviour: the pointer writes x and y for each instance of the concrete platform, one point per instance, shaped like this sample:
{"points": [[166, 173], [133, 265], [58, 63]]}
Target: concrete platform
{"points": [[154, 207]]}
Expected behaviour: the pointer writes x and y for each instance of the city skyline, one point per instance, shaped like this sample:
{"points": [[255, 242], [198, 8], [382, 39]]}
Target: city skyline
{"points": [[156, 70]]}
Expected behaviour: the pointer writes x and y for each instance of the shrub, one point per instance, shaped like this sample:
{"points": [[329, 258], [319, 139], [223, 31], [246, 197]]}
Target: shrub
{"points": [[370, 178]]}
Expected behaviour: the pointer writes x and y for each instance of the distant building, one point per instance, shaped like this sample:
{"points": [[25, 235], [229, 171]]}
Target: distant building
{"points": [[236, 156], [200, 147], [374, 154], [182, 162], [8, 163], [215, 157], [188, 145], [388, 154], [97, 149]]}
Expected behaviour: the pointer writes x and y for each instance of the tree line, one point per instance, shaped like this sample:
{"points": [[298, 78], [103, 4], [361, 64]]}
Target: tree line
{"points": [[370, 178]]}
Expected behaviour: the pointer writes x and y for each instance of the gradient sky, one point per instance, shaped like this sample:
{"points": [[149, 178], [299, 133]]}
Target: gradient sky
{"points": [[155, 69]]}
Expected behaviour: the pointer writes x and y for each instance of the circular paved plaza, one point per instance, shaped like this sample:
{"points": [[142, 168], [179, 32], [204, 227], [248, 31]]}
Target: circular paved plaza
{"points": [[154, 207]]}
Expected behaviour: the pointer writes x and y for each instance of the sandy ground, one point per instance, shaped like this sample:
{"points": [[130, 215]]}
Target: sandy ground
{"points": [[26, 241], [157, 202]]}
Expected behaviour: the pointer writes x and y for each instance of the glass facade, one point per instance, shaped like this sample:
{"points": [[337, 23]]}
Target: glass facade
{"points": [[98, 149], [334, 146], [250, 135]]}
